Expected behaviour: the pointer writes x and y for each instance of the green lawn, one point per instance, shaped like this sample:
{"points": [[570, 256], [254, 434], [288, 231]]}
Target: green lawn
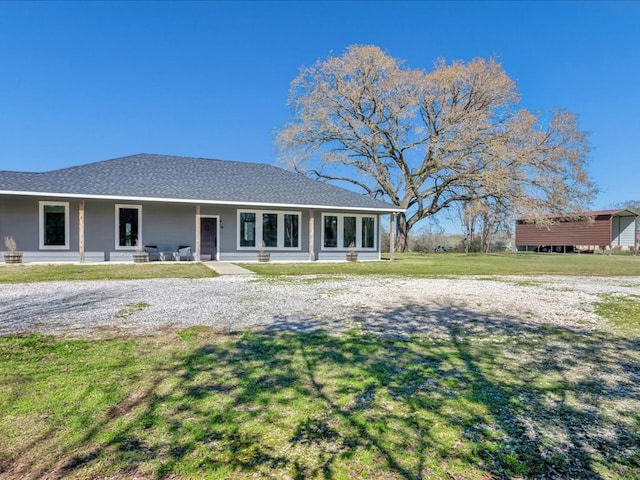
{"points": [[442, 264], [43, 273], [407, 264], [198, 404]]}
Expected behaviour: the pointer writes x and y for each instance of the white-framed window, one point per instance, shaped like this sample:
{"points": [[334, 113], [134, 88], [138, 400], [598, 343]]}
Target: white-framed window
{"points": [[247, 229], [128, 226], [54, 225], [278, 230], [292, 230], [368, 232], [340, 231]]}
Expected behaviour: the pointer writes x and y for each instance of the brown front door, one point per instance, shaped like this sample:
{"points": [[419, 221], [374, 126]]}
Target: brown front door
{"points": [[208, 237]]}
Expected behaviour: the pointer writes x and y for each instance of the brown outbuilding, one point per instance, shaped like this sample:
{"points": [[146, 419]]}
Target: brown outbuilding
{"points": [[603, 229]]}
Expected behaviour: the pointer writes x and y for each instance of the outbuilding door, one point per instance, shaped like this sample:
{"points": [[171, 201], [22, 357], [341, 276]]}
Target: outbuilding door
{"points": [[208, 238]]}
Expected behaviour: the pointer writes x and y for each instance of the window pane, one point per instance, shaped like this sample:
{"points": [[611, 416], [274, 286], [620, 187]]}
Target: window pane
{"points": [[290, 231], [368, 232], [330, 231], [349, 234], [127, 227], [54, 227], [270, 229], [247, 229]]}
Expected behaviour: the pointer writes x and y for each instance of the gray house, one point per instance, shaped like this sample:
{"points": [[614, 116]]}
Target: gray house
{"points": [[223, 210]]}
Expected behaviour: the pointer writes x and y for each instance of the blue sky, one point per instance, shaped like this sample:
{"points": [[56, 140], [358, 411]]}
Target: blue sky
{"points": [[88, 81]]}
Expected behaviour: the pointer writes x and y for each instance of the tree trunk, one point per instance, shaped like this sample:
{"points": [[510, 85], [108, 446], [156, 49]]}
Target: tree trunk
{"points": [[487, 228], [470, 232], [402, 233]]}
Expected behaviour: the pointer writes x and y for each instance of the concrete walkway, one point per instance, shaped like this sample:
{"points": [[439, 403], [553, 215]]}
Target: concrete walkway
{"points": [[225, 268]]}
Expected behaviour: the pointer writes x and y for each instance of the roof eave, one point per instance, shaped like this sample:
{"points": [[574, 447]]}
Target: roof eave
{"points": [[390, 209]]}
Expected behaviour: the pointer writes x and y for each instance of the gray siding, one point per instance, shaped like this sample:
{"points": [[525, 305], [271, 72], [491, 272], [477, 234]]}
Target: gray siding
{"points": [[168, 225], [163, 224], [100, 225], [19, 218]]}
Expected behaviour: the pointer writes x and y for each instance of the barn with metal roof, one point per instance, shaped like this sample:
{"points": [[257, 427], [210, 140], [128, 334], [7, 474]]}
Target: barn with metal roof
{"points": [[602, 229]]}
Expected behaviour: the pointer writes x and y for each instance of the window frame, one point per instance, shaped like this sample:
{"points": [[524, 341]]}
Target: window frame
{"points": [[255, 229], [279, 229], [356, 221], [118, 206], [374, 234], [41, 229], [284, 230], [340, 247], [264, 222], [324, 231]]}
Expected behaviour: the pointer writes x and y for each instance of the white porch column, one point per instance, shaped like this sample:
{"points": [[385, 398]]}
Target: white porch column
{"points": [[636, 236], [312, 235], [197, 255], [392, 236], [81, 230]]}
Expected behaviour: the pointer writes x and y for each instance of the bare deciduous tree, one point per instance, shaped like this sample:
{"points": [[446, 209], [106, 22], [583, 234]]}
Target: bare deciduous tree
{"points": [[481, 220], [424, 141], [632, 204]]}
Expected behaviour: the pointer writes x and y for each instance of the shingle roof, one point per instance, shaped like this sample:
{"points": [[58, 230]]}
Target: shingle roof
{"points": [[190, 179]]}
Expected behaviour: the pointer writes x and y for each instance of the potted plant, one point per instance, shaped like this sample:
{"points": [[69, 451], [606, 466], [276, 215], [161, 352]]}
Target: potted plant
{"points": [[12, 255], [263, 255], [352, 255], [139, 255]]}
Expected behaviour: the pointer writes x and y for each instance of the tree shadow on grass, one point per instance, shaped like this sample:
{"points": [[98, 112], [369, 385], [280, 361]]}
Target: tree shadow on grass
{"points": [[409, 394]]}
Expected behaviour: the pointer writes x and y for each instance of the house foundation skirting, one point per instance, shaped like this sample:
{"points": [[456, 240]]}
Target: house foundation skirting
{"points": [[62, 257], [127, 256]]}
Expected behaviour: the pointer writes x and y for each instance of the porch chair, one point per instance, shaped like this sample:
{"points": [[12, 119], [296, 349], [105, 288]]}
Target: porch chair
{"points": [[153, 251], [183, 253]]}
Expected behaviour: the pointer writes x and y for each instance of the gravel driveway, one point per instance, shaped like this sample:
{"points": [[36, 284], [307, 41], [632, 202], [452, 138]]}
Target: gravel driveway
{"points": [[389, 305]]}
